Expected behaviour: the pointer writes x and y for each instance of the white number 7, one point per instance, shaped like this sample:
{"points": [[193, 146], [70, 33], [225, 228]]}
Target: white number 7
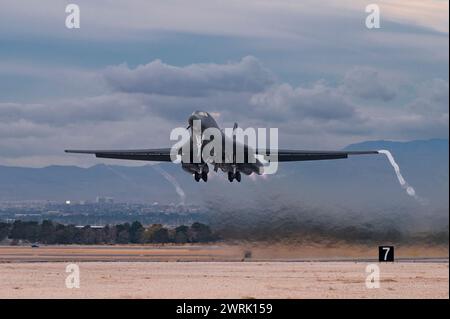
{"points": [[387, 249]]}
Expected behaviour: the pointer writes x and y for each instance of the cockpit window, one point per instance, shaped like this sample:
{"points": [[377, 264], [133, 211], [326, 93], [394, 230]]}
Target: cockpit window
{"points": [[200, 113]]}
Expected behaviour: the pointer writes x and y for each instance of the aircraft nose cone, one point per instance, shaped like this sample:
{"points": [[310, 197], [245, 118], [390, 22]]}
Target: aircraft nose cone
{"points": [[191, 119]]}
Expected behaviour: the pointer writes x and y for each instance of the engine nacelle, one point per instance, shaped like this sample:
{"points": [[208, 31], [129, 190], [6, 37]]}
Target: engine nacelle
{"points": [[195, 168], [200, 171]]}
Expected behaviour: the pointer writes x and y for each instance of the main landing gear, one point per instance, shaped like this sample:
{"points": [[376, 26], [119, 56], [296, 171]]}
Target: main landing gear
{"points": [[203, 175], [232, 176]]}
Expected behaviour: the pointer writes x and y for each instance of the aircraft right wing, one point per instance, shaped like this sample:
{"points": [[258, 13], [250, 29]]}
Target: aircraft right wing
{"points": [[303, 155], [158, 155]]}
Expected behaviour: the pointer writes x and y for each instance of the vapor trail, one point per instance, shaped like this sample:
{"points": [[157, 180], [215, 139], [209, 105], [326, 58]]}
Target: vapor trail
{"points": [[409, 189], [172, 181]]}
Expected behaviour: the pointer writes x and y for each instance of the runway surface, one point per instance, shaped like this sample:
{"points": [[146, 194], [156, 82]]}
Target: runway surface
{"points": [[220, 252]]}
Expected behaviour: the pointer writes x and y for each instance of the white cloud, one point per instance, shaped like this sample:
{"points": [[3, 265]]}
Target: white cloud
{"points": [[368, 83], [319, 102], [156, 77], [433, 98]]}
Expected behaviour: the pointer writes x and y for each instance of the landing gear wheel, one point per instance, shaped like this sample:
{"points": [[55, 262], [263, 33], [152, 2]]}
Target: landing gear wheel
{"points": [[197, 177], [205, 176], [238, 176], [230, 176]]}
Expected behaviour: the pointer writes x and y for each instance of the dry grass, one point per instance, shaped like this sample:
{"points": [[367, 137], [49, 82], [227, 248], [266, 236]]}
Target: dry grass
{"points": [[224, 280]]}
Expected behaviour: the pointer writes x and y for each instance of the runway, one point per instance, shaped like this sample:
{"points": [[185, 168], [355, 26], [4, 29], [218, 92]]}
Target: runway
{"points": [[220, 252]]}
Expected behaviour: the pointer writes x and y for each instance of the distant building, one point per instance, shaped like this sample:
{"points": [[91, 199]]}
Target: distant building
{"points": [[104, 200], [91, 226], [53, 212]]}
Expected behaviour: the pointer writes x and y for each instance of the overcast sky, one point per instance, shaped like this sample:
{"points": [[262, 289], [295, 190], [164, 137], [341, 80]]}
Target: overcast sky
{"points": [[137, 69]]}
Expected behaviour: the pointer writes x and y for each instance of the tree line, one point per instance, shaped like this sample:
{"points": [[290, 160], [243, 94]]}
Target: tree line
{"points": [[49, 232]]}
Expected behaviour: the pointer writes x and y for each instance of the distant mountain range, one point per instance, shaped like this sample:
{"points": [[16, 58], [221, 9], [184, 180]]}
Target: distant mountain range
{"points": [[362, 180]]}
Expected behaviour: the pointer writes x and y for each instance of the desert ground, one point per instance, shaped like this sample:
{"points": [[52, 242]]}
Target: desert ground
{"points": [[221, 271]]}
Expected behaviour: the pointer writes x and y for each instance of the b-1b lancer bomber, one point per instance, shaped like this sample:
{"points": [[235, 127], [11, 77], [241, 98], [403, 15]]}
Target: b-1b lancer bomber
{"points": [[205, 144]]}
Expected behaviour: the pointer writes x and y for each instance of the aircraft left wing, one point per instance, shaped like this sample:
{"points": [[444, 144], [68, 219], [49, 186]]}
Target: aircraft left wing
{"points": [[303, 155], [158, 155]]}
